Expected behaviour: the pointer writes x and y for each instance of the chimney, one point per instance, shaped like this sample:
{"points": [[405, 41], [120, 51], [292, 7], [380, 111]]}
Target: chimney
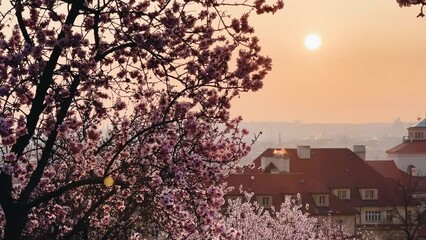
{"points": [[360, 151], [304, 152]]}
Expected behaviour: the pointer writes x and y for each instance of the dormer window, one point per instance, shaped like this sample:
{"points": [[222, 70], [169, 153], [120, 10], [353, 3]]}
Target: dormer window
{"points": [[342, 193], [321, 200], [275, 164], [295, 199], [369, 194]]}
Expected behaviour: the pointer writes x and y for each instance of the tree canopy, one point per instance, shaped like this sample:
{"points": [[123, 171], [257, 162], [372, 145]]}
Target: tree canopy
{"points": [[114, 114]]}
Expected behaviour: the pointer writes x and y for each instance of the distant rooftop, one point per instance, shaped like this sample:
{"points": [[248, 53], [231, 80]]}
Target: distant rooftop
{"points": [[421, 124]]}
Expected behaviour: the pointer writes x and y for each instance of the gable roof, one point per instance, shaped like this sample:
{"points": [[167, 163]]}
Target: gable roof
{"points": [[418, 146], [271, 167]]}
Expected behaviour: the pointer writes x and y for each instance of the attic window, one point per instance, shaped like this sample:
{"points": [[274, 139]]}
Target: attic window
{"points": [[295, 199], [321, 200], [369, 194], [342, 194]]}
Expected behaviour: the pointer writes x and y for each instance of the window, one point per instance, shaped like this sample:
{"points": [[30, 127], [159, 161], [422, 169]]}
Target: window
{"points": [[369, 194], [322, 200], [418, 135], [342, 194], [373, 216], [419, 195], [295, 199], [264, 201]]}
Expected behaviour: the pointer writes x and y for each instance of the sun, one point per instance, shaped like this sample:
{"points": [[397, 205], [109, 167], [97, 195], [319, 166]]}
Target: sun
{"points": [[313, 42]]}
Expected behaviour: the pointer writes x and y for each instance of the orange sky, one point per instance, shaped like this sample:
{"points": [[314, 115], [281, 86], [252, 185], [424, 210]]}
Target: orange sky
{"points": [[370, 68]]}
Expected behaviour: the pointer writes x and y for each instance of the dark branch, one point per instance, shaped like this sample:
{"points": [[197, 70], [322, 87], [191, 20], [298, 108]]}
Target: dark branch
{"points": [[46, 153], [45, 81], [18, 10], [58, 192], [101, 56], [82, 221]]}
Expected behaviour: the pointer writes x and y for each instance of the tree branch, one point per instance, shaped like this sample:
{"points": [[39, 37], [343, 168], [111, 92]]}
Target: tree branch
{"points": [[46, 153], [58, 192], [18, 11], [45, 81], [101, 56], [82, 220]]}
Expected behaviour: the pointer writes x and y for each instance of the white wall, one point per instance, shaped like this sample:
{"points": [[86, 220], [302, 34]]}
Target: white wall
{"points": [[404, 160]]}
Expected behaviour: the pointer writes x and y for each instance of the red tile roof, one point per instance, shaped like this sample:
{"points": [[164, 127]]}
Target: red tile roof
{"points": [[276, 183], [279, 185], [387, 169], [418, 146], [339, 168]]}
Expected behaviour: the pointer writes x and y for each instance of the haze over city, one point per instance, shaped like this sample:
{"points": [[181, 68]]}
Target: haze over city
{"points": [[368, 67]]}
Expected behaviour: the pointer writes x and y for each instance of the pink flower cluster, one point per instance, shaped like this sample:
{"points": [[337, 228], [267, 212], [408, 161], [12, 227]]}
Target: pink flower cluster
{"points": [[137, 91]]}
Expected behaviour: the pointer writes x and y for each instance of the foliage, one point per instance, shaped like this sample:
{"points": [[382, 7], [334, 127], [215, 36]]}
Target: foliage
{"points": [[253, 222], [408, 3], [133, 93]]}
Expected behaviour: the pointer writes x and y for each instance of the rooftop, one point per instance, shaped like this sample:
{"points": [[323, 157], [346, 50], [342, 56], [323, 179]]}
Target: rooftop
{"points": [[421, 124], [336, 168], [418, 146], [280, 185], [387, 168]]}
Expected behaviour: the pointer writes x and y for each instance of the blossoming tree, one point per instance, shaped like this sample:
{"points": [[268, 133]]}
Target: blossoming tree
{"points": [[114, 115], [247, 220], [251, 221]]}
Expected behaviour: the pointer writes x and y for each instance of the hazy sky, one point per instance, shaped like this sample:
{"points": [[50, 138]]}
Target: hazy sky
{"points": [[370, 68]]}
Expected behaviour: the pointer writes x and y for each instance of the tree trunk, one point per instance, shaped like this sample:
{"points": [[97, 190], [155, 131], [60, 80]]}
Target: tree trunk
{"points": [[16, 219]]}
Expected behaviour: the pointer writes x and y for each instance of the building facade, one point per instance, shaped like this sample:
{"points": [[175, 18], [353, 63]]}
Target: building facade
{"points": [[335, 182], [412, 150]]}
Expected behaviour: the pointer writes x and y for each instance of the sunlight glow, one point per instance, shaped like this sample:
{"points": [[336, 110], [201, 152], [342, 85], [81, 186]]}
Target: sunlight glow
{"points": [[313, 41]]}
